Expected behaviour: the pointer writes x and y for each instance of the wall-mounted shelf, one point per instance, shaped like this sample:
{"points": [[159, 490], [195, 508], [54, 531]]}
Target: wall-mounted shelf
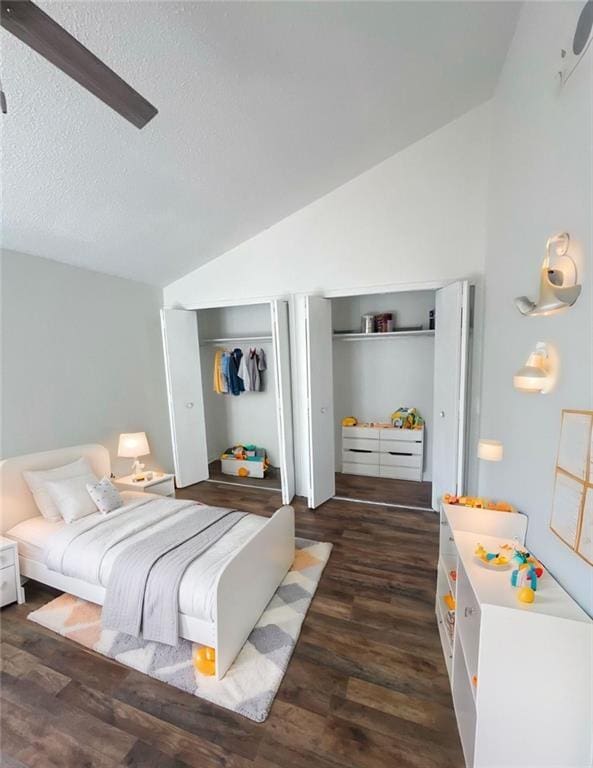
{"points": [[235, 339], [390, 335]]}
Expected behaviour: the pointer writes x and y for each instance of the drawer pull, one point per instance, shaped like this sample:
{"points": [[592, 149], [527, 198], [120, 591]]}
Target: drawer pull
{"points": [[359, 450], [399, 453]]}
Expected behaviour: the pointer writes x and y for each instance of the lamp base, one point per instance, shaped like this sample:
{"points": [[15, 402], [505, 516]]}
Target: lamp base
{"points": [[137, 470]]}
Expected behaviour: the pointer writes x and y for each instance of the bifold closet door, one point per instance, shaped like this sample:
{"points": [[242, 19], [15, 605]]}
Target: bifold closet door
{"points": [[320, 400], [281, 341], [184, 387], [450, 387]]}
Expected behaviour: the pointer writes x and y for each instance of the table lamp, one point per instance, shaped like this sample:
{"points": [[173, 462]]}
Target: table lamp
{"points": [[131, 445]]}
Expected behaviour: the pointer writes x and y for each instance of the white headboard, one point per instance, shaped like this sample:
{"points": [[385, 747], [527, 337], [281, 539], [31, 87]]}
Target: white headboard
{"points": [[16, 500]]}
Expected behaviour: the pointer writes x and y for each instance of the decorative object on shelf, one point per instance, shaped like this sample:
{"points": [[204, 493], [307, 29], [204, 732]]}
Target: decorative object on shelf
{"points": [[558, 286], [526, 575], [131, 446], [490, 450], [431, 320], [349, 421], [453, 574], [407, 418], [478, 502], [496, 561], [572, 504], [449, 601], [205, 660], [367, 324], [535, 376]]}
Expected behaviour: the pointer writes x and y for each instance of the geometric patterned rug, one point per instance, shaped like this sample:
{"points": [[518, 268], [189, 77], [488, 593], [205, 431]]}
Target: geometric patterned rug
{"points": [[250, 685]]}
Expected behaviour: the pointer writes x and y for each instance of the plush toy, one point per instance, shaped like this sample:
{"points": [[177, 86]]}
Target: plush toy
{"points": [[349, 421], [498, 561], [205, 660]]}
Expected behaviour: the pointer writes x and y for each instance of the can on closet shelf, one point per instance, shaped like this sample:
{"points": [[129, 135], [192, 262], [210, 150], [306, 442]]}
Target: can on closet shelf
{"points": [[368, 324]]}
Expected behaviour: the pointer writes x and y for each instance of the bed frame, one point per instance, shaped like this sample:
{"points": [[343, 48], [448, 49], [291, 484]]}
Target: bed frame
{"points": [[244, 587]]}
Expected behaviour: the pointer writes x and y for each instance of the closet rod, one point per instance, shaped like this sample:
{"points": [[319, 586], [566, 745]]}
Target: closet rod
{"points": [[233, 339]]}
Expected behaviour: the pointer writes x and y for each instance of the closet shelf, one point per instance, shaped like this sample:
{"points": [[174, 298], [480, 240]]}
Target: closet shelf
{"points": [[235, 339], [388, 335]]}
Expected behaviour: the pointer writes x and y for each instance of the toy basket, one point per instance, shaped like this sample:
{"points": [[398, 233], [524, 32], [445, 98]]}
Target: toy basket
{"points": [[244, 461]]}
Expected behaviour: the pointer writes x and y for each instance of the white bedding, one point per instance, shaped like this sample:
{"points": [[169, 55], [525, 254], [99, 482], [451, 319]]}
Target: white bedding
{"points": [[196, 592]]}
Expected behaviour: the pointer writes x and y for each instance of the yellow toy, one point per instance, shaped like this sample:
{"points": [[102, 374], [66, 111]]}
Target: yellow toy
{"points": [[449, 601], [526, 595], [205, 660], [243, 472], [349, 421], [498, 561]]}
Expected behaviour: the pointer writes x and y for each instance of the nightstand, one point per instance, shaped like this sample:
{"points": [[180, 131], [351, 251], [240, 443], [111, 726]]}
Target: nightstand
{"points": [[161, 483], [11, 590]]}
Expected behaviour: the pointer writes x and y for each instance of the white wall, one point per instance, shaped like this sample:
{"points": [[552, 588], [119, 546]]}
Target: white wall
{"points": [[82, 360], [251, 416], [418, 217], [541, 183], [375, 376]]}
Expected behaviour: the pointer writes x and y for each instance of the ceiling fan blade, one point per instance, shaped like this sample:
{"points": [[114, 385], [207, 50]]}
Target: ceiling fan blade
{"points": [[39, 31]]}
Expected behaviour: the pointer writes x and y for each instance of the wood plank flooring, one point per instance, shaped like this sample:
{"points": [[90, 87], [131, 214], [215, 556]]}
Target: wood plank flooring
{"points": [[366, 687], [384, 489]]}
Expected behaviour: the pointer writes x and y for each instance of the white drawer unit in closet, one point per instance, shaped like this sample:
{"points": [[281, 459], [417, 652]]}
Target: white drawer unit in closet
{"points": [[383, 452], [11, 590]]}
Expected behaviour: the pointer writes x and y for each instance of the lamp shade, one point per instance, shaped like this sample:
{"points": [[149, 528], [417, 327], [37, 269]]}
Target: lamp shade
{"points": [[534, 376], [132, 444], [490, 450]]}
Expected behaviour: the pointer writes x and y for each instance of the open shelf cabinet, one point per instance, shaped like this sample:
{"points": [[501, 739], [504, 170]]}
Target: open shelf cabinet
{"points": [[521, 675]]}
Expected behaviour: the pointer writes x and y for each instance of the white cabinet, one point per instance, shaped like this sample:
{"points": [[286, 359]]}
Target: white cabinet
{"points": [[161, 484], [521, 675], [383, 452], [11, 590]]}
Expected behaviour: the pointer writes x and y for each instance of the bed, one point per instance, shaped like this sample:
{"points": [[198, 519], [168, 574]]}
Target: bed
{"points": [[222, 593]]}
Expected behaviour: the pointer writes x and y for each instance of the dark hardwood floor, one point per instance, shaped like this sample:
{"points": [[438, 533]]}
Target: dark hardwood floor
{"points": [[384, 489], [366, 687], [271, 481]]}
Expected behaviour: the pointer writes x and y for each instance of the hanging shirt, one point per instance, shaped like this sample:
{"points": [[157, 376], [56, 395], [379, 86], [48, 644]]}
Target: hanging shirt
{"points": [[236, 385], [261, 366], [220, 381]]}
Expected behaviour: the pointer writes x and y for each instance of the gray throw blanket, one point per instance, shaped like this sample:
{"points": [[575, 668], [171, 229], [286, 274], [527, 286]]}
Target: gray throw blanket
{"points": [[143, 589]]}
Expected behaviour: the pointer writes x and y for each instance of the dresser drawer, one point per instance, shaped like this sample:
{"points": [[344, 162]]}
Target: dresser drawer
{"points": [[401, 473], [360, 444], [371, 433], [6, 557], [401, 446], [7, 585], [370, 470], [400, 460], [406, 435], [361, 457]]}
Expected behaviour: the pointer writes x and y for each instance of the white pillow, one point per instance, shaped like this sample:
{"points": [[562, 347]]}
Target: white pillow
{"points": [[36, 480], [105, 496], [71, 496]]}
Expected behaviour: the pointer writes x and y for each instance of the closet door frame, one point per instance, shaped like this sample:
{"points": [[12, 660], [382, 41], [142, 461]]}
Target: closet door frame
{"points": [[283, 409], [434, 285]]}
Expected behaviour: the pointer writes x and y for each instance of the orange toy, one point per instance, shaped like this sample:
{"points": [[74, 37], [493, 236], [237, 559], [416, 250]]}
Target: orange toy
{"points": [[205, 660], [243, 472]]}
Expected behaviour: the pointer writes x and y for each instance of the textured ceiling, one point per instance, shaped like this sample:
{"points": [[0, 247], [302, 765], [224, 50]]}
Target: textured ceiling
{"points": [[263, 108]]}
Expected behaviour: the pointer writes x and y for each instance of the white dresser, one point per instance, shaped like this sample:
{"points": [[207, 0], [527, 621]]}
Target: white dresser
{"points": [[11, 590], [383, 452], [521, 674]]}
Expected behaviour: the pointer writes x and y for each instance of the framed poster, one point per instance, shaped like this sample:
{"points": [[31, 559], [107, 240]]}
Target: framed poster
{"points": [[572, 505]]}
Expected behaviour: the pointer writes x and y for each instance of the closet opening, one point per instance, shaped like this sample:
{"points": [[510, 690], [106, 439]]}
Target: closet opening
{"points": [[230, 406], [237, 361], [383, 370], [386, 393]]}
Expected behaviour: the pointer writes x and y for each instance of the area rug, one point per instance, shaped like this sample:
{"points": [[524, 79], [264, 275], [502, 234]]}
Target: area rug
{"points": [[251, 683]]}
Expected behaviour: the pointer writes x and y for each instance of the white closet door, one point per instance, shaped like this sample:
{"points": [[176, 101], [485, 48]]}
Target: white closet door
{"points": [[281, 340], [184, 386], [450, 385], [320, 400]]}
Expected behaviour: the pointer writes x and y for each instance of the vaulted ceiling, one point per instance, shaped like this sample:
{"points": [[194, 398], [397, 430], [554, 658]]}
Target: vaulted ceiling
{"points": [[263, 108]]}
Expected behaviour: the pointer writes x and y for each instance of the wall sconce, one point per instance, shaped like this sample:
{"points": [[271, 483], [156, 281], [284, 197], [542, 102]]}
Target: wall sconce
{"points": [[558, 287], [535, 375], [490, 450]]}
